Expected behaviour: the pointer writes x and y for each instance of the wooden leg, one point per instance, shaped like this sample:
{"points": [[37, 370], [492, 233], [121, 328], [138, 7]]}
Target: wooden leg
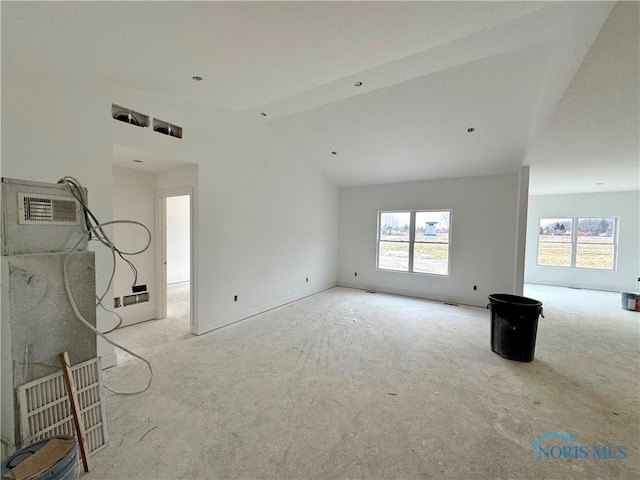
{"points": [[75, 409]]}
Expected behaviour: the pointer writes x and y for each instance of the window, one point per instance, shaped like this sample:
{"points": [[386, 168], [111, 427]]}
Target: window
{"points": [[578, 242], [554, 245], [414, 241], [595, 243]]}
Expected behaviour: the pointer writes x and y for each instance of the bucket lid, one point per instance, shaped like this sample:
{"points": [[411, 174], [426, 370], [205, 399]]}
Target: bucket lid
{"points": [[50, 458]]}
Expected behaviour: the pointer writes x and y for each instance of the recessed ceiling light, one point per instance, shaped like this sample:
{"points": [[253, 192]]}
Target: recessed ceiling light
{"points": [[334, 153], [357, 84], [471, 129], [263, 114], [137, 161], [197, 78]]}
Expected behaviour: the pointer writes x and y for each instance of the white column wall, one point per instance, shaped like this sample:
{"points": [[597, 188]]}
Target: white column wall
{"points": [[134, 199]]}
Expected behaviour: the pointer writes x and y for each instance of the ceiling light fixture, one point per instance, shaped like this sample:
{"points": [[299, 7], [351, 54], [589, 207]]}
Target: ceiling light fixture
{"points": [[197, 78], [471, 129], [357, 84]]}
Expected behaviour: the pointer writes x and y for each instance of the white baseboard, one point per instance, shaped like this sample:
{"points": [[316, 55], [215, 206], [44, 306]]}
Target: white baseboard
{"points": [[223, 322], [599, 288], [412, 293], [108, 361]]}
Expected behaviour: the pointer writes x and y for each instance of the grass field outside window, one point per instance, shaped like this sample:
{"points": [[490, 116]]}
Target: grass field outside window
{"points": [[591, 245], [414, 241]]}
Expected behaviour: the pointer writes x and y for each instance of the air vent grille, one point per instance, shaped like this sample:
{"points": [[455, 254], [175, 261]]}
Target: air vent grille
{"points": [[133, 299], [167, 128], [126, 115], [45, 209], [45, 409]]}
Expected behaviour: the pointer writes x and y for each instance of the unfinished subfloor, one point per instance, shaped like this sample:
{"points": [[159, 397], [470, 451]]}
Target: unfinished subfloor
{"points": [[350, 384]]}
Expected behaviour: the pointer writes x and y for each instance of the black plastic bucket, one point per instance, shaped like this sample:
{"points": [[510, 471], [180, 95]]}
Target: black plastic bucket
{"points": [[64, 469], [514, 325]]}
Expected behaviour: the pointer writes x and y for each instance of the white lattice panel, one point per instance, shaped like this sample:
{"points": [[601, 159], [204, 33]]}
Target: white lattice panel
{"points": [[45, 410]]}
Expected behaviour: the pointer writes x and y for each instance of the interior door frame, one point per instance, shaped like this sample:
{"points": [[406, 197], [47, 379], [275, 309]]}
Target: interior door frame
{"points": [[161, 252]]}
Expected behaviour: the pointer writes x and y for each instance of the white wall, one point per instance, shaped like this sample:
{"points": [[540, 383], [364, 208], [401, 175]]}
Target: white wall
{"points": [[266, 220], [179, 177], [134, 199], [483, 236], [178, 239], [624, 205]]}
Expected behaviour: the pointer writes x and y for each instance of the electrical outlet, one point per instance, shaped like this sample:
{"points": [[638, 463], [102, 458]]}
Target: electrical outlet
{"points": [[355, 274], [475, 287], [116, 302], [139, 288], [235, 298]]}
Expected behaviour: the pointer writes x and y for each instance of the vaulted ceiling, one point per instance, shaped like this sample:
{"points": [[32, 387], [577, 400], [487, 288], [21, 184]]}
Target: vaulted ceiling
{"points": [[549, 84]]}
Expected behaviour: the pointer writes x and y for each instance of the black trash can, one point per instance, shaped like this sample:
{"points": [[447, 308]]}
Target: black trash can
{"points": [[514, 324], [64, 469]]}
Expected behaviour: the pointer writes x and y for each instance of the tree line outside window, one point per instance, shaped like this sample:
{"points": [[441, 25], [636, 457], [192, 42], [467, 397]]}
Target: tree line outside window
{"points": [[589, 242]]}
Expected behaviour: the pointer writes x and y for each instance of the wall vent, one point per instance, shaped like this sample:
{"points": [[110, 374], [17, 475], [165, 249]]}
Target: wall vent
{"points": [[45, 409], [133, 299], [38, 209], [167, 128], [126, 115]]}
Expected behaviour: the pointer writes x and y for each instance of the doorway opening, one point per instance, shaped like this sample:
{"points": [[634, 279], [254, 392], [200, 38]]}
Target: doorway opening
{"points": [[175, 235]]}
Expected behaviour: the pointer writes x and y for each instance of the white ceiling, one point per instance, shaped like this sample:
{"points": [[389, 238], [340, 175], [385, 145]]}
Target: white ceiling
{"points": [[429, 70], [594, 135]]}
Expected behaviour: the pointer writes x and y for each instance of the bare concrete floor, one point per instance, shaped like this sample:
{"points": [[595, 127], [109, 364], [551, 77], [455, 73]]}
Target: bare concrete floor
{"points": [[349, 384]]}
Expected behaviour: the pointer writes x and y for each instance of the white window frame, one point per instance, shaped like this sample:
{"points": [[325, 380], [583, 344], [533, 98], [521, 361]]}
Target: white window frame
{"points": [[412, 238], [574, 244]]}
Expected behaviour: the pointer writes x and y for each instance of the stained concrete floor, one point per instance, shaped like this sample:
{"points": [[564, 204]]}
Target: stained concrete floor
{"points": [[349, 384]]}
